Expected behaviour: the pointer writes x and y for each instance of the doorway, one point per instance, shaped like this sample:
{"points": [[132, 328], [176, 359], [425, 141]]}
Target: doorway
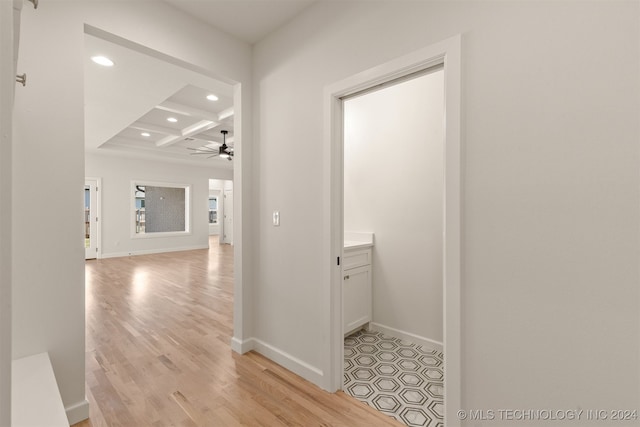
{"points": [[91, 218], [392, 279], [446, 54], [169, 66]]}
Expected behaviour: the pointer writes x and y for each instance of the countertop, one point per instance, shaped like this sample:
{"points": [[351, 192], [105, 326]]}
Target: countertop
{"points": [[353, 244]]}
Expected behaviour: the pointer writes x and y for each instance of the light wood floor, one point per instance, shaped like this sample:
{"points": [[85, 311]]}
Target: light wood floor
{"points": [[158, 354]]}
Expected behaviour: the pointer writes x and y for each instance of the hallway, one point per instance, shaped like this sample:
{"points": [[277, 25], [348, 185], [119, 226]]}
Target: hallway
{"points": [[158, 353]]}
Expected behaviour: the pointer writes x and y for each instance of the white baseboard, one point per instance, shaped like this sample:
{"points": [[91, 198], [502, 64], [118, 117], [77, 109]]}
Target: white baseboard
{"points": [[152, 251], [408, 336], [240, 346], [77, 412], [282, 358]]}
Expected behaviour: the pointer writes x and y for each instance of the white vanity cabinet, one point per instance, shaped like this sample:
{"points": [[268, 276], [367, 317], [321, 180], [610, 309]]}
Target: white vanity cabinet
{"points": [[356, 287]]}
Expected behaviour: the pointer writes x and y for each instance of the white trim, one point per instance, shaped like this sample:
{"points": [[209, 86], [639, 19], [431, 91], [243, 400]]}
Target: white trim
{"points": [[154, 251], [98, 213], [447, 52], [161, 234], [242, 279], [408, 336], [225, 207], [452, 260], [8, 51], [77, 412], [284, 359], [240, 346], [187, 209]]}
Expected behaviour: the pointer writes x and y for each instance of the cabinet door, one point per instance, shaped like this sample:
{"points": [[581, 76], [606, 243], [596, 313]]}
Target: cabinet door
{"points": [[356, 297]]}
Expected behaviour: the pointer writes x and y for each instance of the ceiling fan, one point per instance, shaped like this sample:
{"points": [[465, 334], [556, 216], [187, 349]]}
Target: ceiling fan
{"points": [[224, 151]]}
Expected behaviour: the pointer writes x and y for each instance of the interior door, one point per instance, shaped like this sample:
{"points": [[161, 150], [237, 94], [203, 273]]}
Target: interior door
{"points": [[90, 219], [227, 224]]}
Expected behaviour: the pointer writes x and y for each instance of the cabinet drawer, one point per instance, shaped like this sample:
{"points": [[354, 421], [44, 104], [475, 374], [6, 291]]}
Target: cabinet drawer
{"points": [[356, 258]]}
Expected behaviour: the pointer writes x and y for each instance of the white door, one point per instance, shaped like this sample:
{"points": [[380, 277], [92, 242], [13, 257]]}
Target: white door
{"points": [[227, 222], [90, 218]]}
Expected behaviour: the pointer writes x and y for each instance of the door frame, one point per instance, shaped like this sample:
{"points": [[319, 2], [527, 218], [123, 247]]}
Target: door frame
{"points": [[98, 213], [448, 54], [241, 173], [225, 206]]}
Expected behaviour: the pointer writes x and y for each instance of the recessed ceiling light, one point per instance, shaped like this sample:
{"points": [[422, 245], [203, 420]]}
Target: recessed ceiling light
{"points": [[145, 134], [102, 60], [172, 119], [212, 97]]}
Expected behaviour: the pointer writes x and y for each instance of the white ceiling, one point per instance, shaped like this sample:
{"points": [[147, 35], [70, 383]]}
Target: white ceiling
{"points": [[248, 20], [139, 93]]}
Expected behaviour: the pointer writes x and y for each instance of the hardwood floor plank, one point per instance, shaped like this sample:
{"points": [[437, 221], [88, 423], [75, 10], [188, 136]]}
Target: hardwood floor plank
{"points": [[158, 353]]}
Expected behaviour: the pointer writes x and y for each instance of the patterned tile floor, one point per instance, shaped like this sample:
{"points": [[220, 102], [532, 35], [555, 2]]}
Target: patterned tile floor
{"points": [[397, 377]]}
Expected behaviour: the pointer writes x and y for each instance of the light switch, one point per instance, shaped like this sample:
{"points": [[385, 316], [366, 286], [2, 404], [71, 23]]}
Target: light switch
{"points": [[276, 218]]}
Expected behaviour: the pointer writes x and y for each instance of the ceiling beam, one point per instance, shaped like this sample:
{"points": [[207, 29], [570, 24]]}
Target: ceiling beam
{"points": [[225, 114], [185, 110], [168, 140], [120, 140], [207, 142], [201, 126], [155, 128]]}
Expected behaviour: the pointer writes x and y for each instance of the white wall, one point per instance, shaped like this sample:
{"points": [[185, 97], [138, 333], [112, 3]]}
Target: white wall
{"points": [[550, 172], [117, 174], [7, 87], [393, 185], [48, 162]]}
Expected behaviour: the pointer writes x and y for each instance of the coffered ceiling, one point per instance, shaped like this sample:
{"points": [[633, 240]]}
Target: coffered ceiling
{"points": [[145, 107], [128, 105]]}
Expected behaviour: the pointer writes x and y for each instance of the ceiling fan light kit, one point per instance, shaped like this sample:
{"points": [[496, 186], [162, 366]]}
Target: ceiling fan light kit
{"points": [[224, 151]]}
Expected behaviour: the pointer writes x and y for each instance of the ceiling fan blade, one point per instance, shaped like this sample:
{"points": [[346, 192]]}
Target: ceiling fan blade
{"points": [[212, 156], [202, 152]]}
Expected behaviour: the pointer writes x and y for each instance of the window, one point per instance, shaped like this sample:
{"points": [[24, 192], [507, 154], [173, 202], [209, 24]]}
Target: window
{"points": [[160, 209], [213, 209]]}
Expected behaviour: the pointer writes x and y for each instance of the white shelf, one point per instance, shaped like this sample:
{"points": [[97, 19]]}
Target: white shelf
{"points": [[35, 398]]}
